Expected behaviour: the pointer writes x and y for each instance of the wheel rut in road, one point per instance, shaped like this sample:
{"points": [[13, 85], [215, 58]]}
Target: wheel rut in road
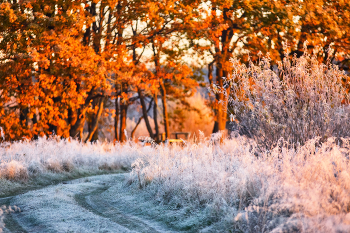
{"points": [[93, 202], [10, 223], [83, 205]]}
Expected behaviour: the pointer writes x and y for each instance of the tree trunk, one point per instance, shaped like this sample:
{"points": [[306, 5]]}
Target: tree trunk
{"points": [[93, 131], [211, 81], [76, 128], [77, 120], [123, 115], [165, 108], [71, 120], [221, 107], [221, 102], [116, 119], [144, 113], [222, 70], [155, 115], [137, 124], [140, 119], [23, 116], [92, 118], [117, 110], [35, 121]]}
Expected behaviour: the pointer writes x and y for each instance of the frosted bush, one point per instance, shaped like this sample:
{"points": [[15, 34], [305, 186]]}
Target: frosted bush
{"points": [[297, 100]]}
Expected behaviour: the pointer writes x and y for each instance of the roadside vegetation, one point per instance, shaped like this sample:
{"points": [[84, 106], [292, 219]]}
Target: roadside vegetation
{"points": [[208, 186], [33, 164]]}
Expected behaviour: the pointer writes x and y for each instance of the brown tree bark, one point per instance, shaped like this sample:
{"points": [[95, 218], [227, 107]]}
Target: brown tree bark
{"points": [[117, 112], [23, 116], [124, 104], [77, 120], [92, 117], [140, 119], [121, 107], [93, 132], [53, 128], [165, 108], [123, 115], [223, 54], [77, 125], [144, 113], [116, 119], [221, 113], [155, 115], [35, 121]]}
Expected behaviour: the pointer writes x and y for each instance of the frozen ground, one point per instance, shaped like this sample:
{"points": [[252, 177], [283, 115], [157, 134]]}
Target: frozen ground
{"points": [[95, 204]]}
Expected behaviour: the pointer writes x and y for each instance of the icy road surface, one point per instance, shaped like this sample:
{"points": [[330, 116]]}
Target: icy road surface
{"points": [[94, 204]]}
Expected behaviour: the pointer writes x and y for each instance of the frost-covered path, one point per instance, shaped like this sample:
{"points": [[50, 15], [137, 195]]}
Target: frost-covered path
{"points": [[94, 204]]}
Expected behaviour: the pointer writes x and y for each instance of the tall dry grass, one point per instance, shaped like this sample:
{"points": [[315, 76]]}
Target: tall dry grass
{"points": [[238, 188], [23, 161], [233, 187]]}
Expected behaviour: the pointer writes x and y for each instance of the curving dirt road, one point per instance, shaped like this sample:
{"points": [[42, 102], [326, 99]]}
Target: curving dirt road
{"points": [[94, 204]]}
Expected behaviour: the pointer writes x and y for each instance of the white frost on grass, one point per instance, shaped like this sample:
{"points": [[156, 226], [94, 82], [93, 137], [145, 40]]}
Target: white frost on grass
{"points": [[241, 189], [206, 186], [54, 158]]}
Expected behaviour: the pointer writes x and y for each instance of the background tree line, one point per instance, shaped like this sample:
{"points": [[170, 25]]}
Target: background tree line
{"points": [[62, 61]]}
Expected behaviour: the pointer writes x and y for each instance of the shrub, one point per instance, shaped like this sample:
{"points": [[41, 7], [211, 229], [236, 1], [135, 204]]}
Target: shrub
{"points": [[297, 100]]}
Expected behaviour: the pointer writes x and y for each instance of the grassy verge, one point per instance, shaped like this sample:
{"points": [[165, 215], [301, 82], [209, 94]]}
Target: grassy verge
{"points": [[238, 188], [12, 188]]}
